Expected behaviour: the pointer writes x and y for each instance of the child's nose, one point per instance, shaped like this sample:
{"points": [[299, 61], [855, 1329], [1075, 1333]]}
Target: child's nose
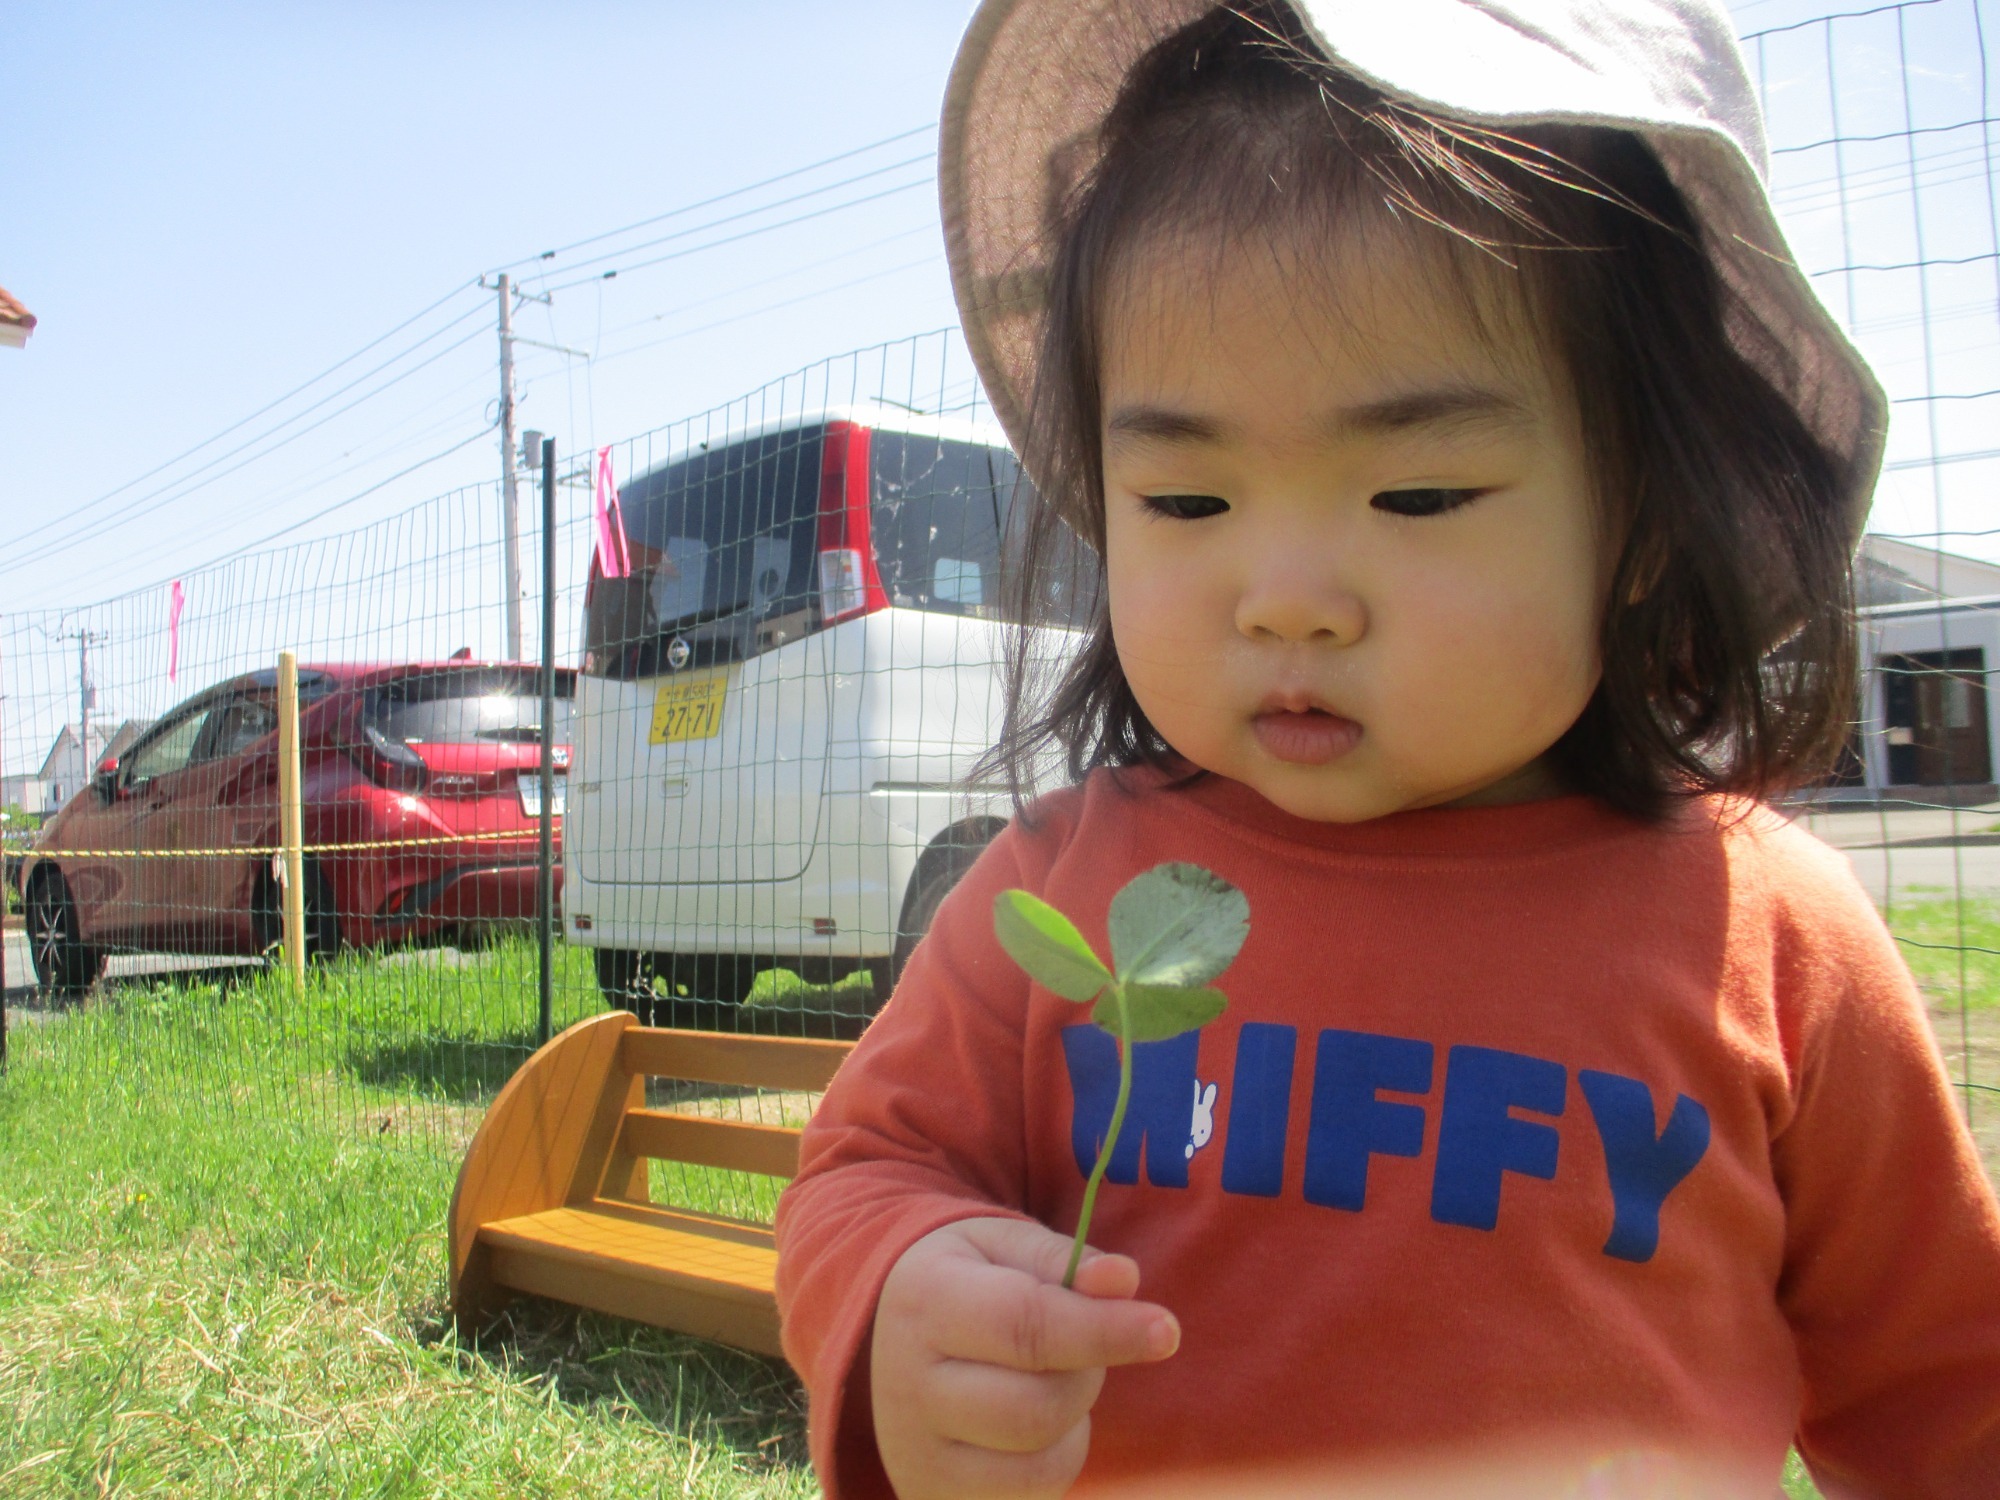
{"points": [[1290, 602]]}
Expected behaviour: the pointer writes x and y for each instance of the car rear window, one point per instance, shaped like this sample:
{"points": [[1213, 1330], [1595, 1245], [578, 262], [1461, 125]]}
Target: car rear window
{"points": [[468, 706]]}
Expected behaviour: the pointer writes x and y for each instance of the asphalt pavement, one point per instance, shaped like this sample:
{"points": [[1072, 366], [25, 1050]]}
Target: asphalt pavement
{"points": [[1914, 851], [21, 973]]}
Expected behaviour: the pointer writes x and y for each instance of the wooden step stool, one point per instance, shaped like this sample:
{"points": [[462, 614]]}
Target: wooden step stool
{"points": [[552, 1198]]}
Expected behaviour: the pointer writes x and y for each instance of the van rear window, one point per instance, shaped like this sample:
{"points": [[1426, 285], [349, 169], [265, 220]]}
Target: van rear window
{"points": [[938, 515], [724, 548], [722, 545], [943, 539]]}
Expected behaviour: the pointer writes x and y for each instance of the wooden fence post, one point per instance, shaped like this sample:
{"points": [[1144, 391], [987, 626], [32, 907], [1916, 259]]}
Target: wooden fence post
{"points": [[291, 819]]}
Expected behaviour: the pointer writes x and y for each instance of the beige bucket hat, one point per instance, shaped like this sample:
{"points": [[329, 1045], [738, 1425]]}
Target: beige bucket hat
{"points": [[1034, 79]]}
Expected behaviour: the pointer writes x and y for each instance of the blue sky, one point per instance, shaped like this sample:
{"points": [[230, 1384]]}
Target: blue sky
{"points": [[209, 204]]}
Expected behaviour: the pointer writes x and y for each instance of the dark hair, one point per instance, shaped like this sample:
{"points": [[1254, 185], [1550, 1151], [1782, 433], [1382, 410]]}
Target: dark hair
{"points": [[1727, 639]]}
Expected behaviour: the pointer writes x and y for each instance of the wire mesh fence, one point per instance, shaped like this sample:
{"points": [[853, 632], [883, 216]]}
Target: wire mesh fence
{"points": [[1881, 132], [773, 635], [776, 634]]}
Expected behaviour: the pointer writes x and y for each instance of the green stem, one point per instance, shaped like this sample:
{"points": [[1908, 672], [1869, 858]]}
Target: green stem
{"points": [[1110, 1136]]}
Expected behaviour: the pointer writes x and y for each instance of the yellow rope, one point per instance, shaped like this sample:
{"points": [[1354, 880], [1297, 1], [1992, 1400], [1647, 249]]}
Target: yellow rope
{"points": [[268, 849]]}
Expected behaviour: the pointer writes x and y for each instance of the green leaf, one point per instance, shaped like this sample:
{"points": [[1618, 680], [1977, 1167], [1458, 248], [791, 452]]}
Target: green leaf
{"points": [[1158, 1011], [1046, 943], [1177, 924]]}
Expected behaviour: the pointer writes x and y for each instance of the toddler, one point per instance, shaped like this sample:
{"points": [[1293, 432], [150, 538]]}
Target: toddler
{"points": [[1473, 479]]}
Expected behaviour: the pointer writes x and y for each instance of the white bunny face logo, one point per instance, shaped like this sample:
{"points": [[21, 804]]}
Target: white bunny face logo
{"points": [[1202, 1129]]}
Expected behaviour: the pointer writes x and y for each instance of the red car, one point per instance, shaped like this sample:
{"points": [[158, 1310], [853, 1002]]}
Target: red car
{"points": [[438, 761]]}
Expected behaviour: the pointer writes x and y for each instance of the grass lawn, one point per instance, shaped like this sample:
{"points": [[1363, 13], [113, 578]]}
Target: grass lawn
{"points": [[1954, 952], [222, 1267], [222, 1250]]}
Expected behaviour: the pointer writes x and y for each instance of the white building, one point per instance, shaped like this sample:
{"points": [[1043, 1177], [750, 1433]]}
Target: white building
{"points": [[1930, 634], [66, 769]]}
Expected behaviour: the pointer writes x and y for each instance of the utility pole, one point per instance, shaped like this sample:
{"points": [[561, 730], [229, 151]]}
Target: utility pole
{"points": [[510, 488], [83, 697], [510, 494], [86, 698]]}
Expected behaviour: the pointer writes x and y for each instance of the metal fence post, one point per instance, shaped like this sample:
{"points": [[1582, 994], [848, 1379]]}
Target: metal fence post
{"points": [[545, 875], [291, 822]]}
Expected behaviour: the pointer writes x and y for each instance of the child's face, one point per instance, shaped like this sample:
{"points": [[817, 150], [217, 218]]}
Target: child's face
{"points": [[1352, 552]]}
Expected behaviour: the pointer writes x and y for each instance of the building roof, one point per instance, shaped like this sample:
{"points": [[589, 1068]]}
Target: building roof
{"points": [[16, 322], [109, 742], [65, 744], [1892, 571], [124, 738]]}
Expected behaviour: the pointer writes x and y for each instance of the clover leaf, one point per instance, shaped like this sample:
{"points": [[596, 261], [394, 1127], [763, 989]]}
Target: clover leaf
{"points": [[1173, 929], [1047, 945], [1176, 924], [1158, 1011]]}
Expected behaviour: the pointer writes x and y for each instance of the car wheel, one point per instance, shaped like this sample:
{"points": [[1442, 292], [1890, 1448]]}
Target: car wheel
{"points": [[694, 991], [943, 865], [64, 966], [322, 919], [625, 980], [705, 991]]}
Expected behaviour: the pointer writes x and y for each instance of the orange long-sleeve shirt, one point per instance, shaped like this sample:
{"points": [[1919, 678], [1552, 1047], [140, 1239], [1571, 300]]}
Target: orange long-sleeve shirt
{"points": [[1524, 1125]]}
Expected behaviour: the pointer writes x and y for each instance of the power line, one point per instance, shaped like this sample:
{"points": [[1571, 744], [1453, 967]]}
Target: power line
{"points": [[818, 213], [320, 476], [358, 495], [219, 467], [751, 286], [758, 312], [71, 517], [245, 421], [688, 208], [165, 497], [751, 213]]}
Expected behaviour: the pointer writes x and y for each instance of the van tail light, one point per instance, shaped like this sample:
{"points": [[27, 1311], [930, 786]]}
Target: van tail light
{"points": [[842, 591], [389, 764], [849, 582]]}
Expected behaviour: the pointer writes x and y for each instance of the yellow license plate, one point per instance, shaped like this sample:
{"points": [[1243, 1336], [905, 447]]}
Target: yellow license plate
{"points": [[689, 708]]}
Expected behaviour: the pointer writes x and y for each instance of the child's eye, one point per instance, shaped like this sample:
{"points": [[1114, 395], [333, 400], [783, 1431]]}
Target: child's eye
{"points": [[1185, 507], [1423, 502]]}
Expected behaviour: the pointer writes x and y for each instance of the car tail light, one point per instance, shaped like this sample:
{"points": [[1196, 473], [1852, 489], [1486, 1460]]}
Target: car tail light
{"points": [[849, 584], [387, 763]]}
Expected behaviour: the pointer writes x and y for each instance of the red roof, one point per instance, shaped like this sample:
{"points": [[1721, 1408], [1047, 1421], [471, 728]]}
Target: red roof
{"points": [[11, 311]]}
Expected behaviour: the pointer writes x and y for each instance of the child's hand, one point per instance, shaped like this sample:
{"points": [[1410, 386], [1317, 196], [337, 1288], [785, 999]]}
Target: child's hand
{"points": [[984, 1369]]}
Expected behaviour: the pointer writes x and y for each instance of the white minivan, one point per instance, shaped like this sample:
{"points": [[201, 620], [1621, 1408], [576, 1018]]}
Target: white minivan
{"points": [[781, 703]]}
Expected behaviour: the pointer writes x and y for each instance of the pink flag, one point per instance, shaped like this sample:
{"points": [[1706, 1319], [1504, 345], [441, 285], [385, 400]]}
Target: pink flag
{"points": [[174, 606], [611, 555]]}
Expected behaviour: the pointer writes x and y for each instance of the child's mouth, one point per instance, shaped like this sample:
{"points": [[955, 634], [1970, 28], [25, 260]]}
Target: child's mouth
{"points": [[1306, 737]]}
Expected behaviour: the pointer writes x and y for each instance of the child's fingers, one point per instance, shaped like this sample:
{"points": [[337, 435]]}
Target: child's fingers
{"points": [[971, 1473], [1044, 1254], [1105, 1275], [1002, 1316], [1010, 1411]]}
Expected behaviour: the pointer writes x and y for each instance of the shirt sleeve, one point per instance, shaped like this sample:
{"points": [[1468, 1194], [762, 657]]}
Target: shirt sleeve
{"points": [[922, 1127], [1891, 1279]]}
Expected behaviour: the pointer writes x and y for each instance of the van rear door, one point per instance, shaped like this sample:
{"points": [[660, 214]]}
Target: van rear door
{"points": [[702, 711]]}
